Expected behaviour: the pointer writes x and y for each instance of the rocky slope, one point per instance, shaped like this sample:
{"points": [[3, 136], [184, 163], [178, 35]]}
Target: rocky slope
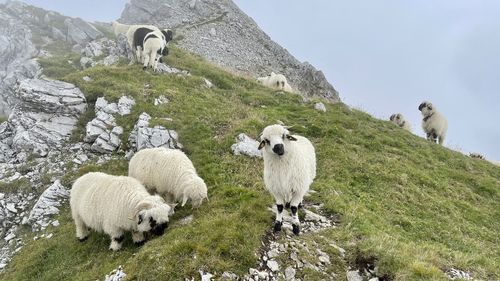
{"points": [[222, 33]]}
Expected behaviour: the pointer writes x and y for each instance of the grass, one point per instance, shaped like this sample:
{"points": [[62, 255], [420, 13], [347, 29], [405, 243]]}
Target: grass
{"points": [[3, 118], [412, 207]]}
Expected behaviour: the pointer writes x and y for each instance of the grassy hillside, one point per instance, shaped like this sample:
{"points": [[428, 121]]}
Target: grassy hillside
{"points": [[412, 207]]}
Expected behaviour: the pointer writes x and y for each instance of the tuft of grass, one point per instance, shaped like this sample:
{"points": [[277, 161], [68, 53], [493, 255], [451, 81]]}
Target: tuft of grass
{"points": [[3, 118], [21, 185], [413, 208]]}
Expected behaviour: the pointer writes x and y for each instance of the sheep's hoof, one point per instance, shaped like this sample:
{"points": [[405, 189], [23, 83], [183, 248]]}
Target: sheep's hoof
{"points": [[296, 229], [277, 225], [83, 239], [144, 68], [140, 243]]}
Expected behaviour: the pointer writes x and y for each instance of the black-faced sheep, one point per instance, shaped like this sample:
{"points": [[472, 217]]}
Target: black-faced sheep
{"points": [[434, 123], [275, 81], [115, 204], [169, 172], [289, 170], [400, 121]]}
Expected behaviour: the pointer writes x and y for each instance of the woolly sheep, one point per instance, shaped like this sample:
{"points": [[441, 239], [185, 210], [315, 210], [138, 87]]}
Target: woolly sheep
{"points": [[289, 170], [168, 172], [400, 121], [434, 123], [275, 81], [115, 204]]}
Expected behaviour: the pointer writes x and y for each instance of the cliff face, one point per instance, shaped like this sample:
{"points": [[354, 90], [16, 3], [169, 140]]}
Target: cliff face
{"points": [[222, 33]]}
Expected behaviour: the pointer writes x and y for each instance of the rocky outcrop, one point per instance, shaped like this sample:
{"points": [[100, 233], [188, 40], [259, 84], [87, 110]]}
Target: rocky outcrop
{"points": [[143, 136], [16, 63], [44, 117], [24, 30], [47, 205], [222, 33], [103, 132]]}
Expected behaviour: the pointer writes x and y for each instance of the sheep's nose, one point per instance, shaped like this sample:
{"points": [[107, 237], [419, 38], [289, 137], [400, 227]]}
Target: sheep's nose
{"points": [[279, 149]]}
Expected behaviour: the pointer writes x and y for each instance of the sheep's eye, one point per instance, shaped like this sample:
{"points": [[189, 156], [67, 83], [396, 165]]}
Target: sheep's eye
{"points": [[278, 83], [267, 141], [152, 222]]}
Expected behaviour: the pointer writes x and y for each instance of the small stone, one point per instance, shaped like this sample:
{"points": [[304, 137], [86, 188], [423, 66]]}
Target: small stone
{"points": [[374, 279], [11, 207], [9, 237], [263, 275], [205, 276], [208, 84], [272, 253], [161, 100], [273, 265], [86, 78], [253, 271], [55, 223], [353, 275], [289, 273], [49, 236], [213, 32], [320, 107]]}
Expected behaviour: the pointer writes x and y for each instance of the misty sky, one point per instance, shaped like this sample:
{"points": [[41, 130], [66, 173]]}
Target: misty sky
{"points": [[385, 56]]}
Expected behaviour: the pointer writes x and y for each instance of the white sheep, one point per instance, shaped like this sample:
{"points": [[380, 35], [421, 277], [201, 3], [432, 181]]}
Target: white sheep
{"points": [[134, 40], [153, 48], [400, 121], [168, 172], [275, 81], [289, 170], [115, 204], [119, 28], [434, 123]]}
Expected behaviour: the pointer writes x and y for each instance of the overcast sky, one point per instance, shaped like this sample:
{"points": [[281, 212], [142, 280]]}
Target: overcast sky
{"points": [[385, 56]]}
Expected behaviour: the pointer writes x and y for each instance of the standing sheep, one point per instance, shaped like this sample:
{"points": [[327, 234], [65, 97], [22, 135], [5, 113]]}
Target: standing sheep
{"points": [[400, 120], [289, 170], [150, 46], [169, 172], [434, 123], [115, 204]]}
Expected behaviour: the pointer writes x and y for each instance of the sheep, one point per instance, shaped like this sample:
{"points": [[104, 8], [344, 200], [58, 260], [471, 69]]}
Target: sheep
{"points": [[400, 120], [131, 37], [169, 172], [289, 170], [434, 123], [119, 28], [115, 204], [476, 155], [149, 46], [275, 81]]}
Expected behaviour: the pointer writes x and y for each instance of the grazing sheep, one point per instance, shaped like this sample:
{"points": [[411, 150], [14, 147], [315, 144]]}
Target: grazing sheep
{"points": [[275, 81], [289, 170], [169, 172], [115, 204], [476, 155], [400, 120], [434, 123], [119, 28]]}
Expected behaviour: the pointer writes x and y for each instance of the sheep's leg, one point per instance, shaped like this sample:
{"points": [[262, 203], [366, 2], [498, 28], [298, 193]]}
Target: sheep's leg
{"points": [[138, 54], [294, 207], [279, 216], [146, 60], [152, 60], [116, 240], [82, 231], [138, 238]]}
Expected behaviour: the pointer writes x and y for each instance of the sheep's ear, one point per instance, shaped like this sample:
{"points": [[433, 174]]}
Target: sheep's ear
{"points": [[184, 200], [143, 206], [262, 144], [392, 117], [421, 106], [290, 137], [429, 106]]}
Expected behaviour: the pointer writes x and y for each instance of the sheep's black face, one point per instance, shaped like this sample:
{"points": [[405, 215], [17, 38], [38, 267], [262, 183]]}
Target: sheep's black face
{"points": [[422, 105], [157, 228]]}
